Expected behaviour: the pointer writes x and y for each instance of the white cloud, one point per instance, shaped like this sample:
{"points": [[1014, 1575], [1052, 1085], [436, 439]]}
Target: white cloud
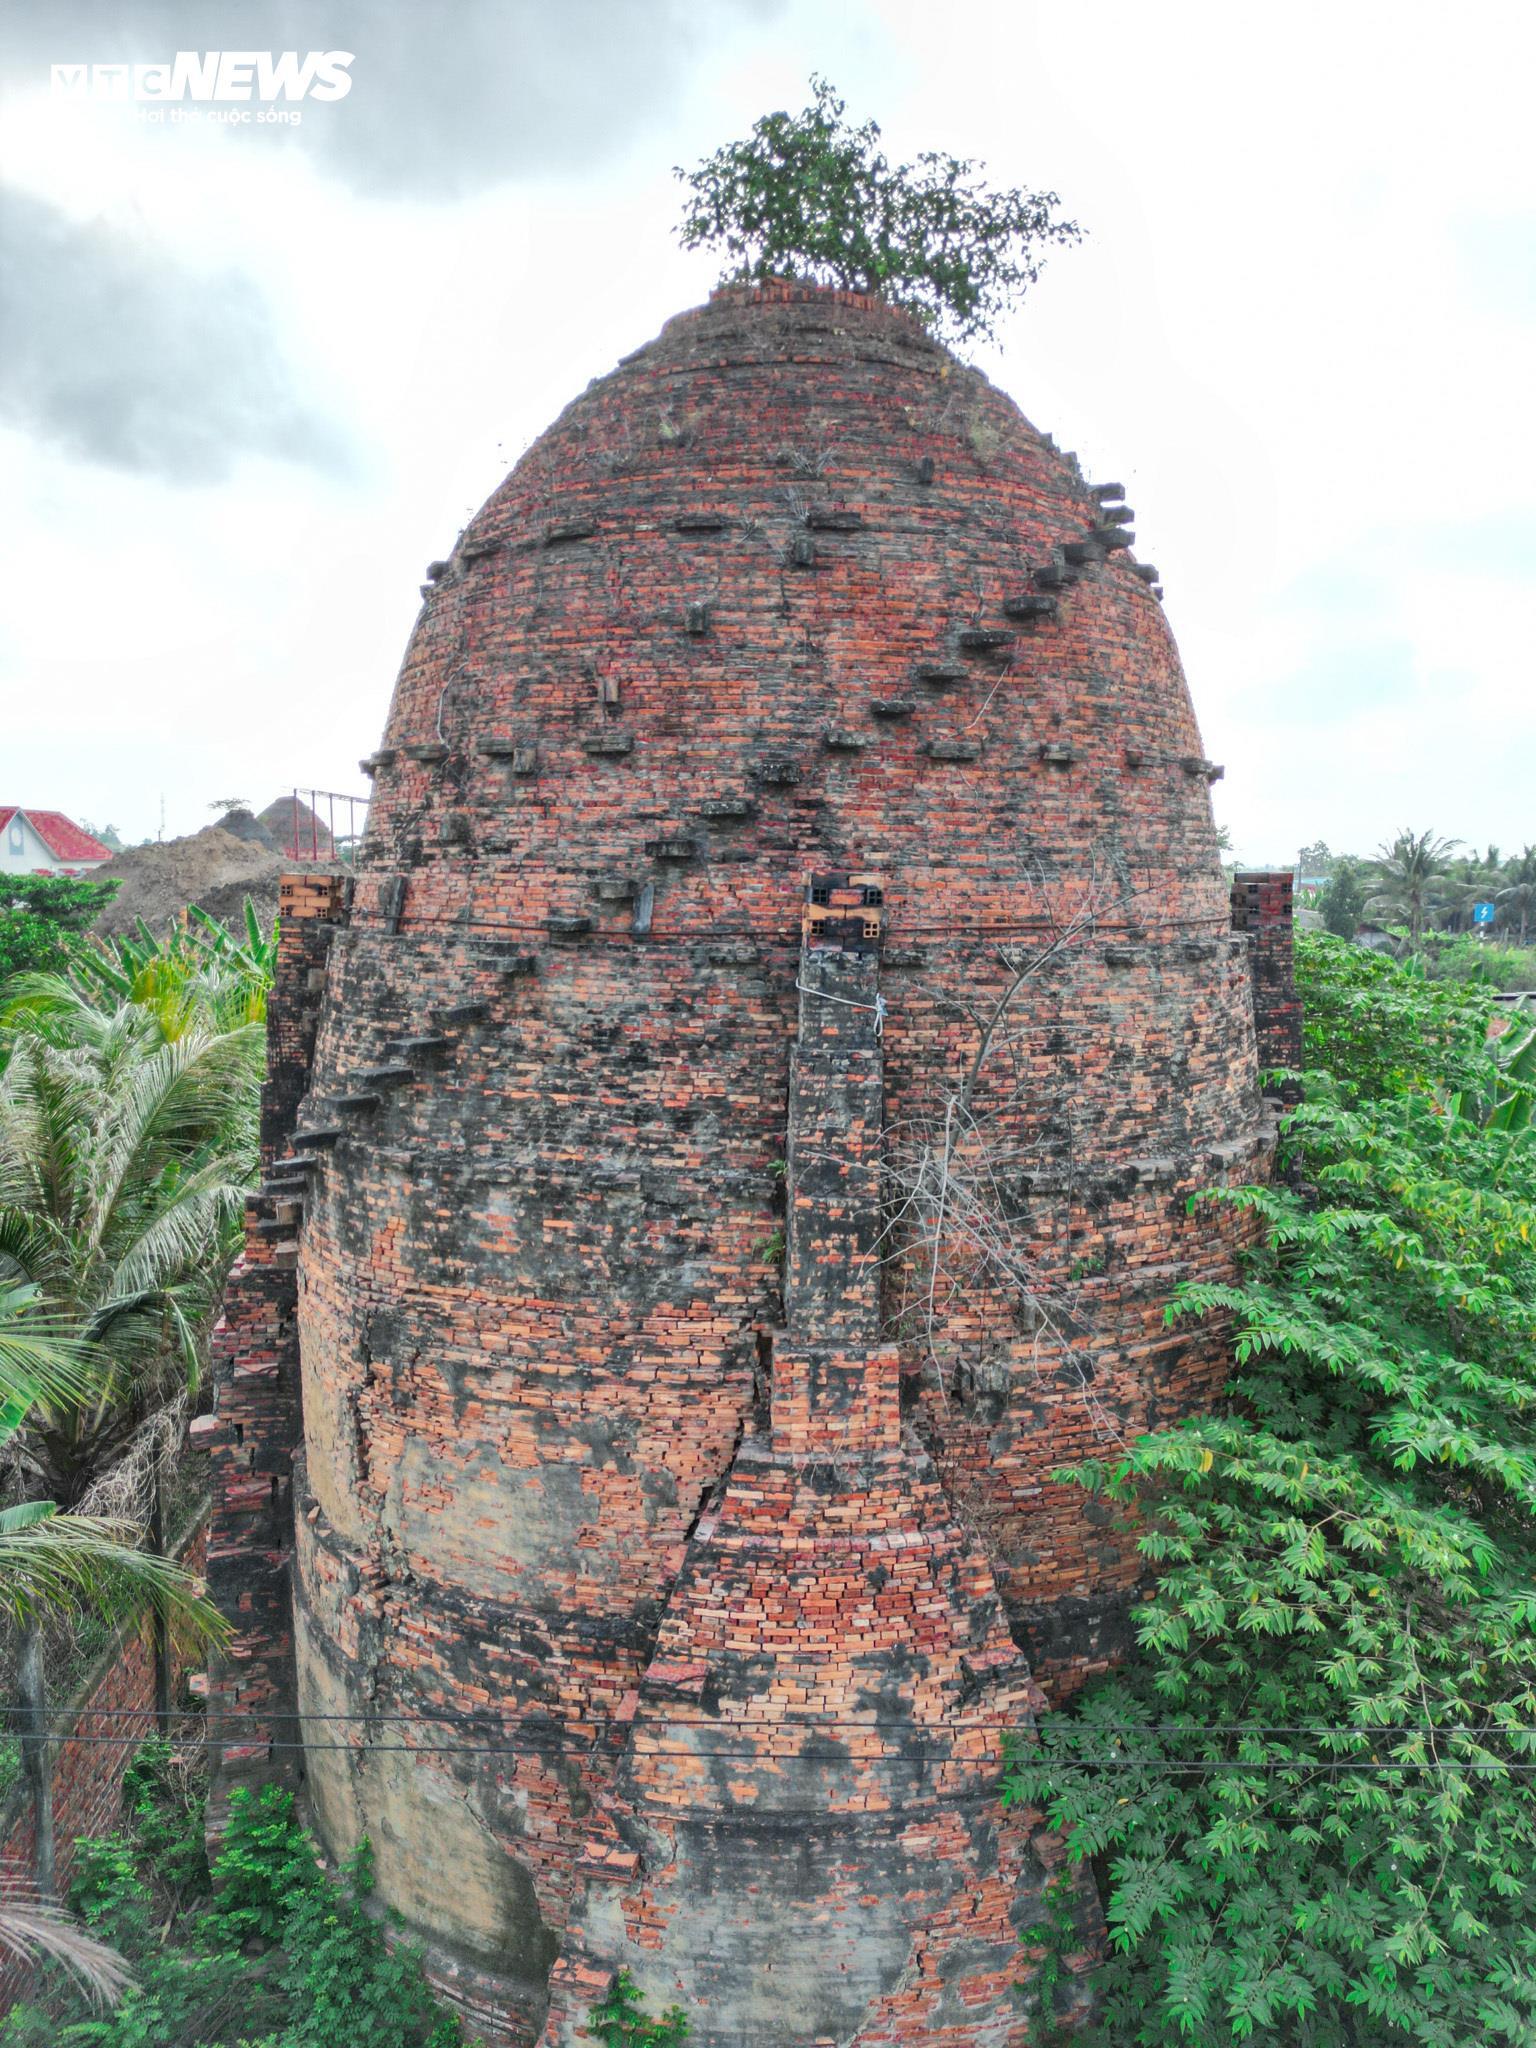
{"points": [[1300, 332]]}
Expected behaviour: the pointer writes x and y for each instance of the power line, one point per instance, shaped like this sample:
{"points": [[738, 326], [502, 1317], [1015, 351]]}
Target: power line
{"points": [[1162, 1765], [461, 1717], [649, 1740]]}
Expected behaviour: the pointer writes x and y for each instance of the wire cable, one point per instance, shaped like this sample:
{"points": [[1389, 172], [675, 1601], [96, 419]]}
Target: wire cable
{"points": [[1270, 1765]]}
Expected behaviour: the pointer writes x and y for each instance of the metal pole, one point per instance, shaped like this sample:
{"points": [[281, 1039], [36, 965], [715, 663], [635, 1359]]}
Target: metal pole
{"points": [[32, 1686], [159, 1627]]}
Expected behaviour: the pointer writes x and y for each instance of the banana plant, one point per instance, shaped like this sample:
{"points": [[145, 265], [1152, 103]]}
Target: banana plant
{"points": [[1508, 1107], [199, 970]]}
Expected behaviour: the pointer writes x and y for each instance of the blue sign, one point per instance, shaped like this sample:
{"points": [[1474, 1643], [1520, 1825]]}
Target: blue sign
{"points": [[1482, 913]]}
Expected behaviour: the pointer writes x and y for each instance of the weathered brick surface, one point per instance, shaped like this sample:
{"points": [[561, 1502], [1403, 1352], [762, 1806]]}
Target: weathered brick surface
{"points": [[1261, 907], [257, 1420], [792, 595], [804, 1841]]}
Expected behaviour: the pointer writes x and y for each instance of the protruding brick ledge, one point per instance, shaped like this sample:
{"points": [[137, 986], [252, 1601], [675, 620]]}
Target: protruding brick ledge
{"points": [[257, 1422], [805, 1842]]}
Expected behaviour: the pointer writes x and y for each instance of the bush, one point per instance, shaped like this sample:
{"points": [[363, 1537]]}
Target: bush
{"points": [[42, 918], [163, 1804], [1480, 964], [808, 196], [621, 2021], [285, 1957], [1310, 1794], [345, 1983], [266, 1866]]}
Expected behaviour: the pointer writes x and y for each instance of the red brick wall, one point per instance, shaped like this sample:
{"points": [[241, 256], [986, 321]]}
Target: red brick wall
{"points": [[116, 1714], [791, 592], [257, 1421], [1261, 908]]}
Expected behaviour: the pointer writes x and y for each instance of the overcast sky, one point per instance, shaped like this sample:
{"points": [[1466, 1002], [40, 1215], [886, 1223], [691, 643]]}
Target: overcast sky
{"points": [[252, 379]]}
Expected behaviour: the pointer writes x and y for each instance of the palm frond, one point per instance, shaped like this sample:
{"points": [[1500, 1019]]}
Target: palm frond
{"points": [[73, 1565], [42, 1357], [125, 1153], [33, 1932]]}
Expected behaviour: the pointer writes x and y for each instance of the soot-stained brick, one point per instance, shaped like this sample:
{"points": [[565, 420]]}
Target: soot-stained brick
{"points": [[580, 1396]]}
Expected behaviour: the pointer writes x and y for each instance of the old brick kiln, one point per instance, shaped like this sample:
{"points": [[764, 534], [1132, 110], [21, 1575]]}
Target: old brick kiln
{"points": [[728, 1145]]}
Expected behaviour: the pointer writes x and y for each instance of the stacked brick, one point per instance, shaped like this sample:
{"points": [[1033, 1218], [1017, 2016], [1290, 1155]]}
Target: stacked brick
{"points": [[803, 1842], [1262, 909], [623, 1444], [99, 1732], [257, 1422]]}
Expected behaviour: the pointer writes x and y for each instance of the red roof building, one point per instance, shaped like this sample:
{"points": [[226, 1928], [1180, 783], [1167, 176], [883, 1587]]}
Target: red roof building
{"points": [[46, 843]]}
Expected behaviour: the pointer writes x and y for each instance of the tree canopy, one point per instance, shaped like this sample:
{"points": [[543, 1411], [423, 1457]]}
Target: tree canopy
{"points": [[1311, 1793], [1341, 901], [810, 196], [1412, 871], [126, 1145], [42, 918]]}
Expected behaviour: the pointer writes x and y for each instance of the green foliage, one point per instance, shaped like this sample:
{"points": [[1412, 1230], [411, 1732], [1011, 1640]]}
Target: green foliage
{"points": [[85, 1568], [1424, 889], [76, 1567], [163, 1807], [285, 1954], [267, 1862], [1341, 902], [1411, 874], [42, 918], [124, 1160], [1516, 897], [1057, 1936], [176, 1996], [197, 973], [1312, 1793], [343, 1980], [621, 2021], [108, 1893], [808, 196], [1468, 959]]}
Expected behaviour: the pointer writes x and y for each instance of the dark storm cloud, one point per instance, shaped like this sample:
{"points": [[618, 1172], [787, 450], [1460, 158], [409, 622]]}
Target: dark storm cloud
{"points": [[447, 95], [115, 352]]}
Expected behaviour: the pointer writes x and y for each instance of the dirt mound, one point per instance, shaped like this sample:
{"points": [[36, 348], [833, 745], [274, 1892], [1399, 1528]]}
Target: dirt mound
{"points": [[297, 830], [246, 825], [213, 869]]}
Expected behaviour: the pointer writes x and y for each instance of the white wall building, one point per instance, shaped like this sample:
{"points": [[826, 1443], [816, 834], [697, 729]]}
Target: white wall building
{"points": [[46, 843]]}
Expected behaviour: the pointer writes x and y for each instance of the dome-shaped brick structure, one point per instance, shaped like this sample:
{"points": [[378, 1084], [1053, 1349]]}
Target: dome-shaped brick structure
{"points": [[787, 997]]}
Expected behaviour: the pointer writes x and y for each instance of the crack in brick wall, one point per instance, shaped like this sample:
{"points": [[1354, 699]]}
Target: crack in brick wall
{"points": [[804, 1841], [790, 593]]}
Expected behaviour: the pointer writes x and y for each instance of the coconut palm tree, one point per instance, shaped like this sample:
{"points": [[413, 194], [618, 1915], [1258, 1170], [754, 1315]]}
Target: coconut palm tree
{"points": [[31, 1929], [1518, 905], [124, 1158], [124, 1161], [65, 1567], [1517, 899], [1410, 870]]}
